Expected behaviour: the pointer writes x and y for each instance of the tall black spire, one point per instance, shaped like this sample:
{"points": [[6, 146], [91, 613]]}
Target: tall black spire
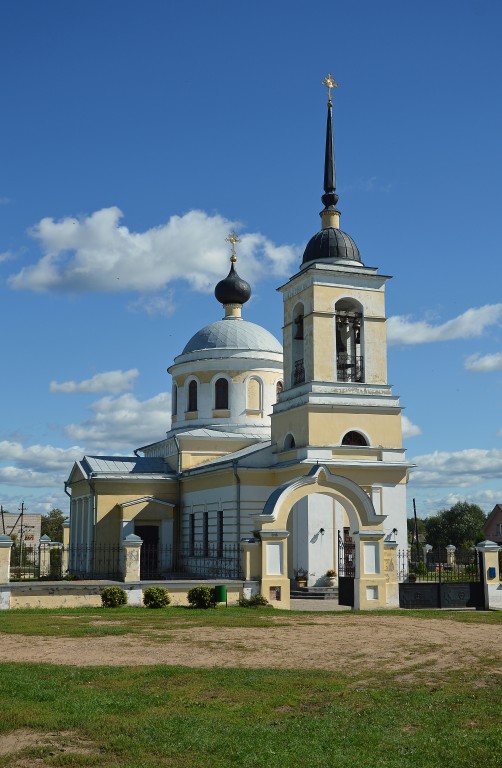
{"points": [[330, 198]]}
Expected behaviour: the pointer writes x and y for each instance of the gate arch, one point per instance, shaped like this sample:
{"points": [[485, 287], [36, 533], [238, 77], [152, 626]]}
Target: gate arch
{"points": [[321, 480]]}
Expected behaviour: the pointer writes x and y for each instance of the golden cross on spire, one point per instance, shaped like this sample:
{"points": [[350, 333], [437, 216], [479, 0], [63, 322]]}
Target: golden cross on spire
{"points": [[232, 239], [329, 82]]}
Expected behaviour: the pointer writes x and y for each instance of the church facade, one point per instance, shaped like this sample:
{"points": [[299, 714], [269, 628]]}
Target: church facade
{"points": [[293, 453]]}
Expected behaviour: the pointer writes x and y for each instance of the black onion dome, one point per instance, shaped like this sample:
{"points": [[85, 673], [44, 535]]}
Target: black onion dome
{"points": [[233, 289], [331, 243]]}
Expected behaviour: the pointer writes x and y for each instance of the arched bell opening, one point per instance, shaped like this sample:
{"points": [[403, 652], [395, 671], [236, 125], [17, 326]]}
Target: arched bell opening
{"points": [[298, 346], [349, 334]]}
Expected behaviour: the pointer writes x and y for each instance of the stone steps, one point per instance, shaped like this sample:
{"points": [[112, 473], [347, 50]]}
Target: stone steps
{"points": [[314, 593]]}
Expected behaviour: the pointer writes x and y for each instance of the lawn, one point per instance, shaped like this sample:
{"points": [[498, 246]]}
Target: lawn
{"points": [[156, 716], [97, 622]]}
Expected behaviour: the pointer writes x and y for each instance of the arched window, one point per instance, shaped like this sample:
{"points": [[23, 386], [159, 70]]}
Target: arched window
{"points": [[289, 442], [349, 341], [254, 394], [279, 387], [354, 438], [192, 396], [221, 395], [175, 400]]}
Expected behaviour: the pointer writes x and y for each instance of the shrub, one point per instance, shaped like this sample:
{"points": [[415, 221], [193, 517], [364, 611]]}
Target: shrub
{"points": [[112, 597], [201, 597], [256, 601], [156, 597]]}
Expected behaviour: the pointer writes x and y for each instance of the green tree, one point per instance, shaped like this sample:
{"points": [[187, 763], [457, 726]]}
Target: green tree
{"points": [[461, 525], [52, 525], [410, 522]]}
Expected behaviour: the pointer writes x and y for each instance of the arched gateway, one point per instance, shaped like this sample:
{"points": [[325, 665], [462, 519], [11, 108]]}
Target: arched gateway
{"points": [[276, 533]]}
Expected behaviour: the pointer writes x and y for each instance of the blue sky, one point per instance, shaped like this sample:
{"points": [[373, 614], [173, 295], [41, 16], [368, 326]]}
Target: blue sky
{"points": [[133, 136]]}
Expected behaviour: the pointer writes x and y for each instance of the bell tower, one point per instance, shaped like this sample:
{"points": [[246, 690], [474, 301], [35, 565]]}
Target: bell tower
{"points": [[336, 395]]}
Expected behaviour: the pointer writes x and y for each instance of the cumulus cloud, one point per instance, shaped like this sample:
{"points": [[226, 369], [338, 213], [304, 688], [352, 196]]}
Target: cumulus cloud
{"points": [[123, 423], [6, 256], [471, 324], [485, 363], [36, 466], [98, 253], [409, 429], [457, 468], [108, 381]]}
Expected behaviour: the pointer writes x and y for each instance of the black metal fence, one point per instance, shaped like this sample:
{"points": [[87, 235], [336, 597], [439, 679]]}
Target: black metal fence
{"points": [[438, 565], [104, 561], [346, 557], [204, 561]]}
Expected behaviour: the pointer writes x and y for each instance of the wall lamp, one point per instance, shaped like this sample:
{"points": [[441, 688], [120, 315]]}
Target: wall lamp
{"points": [[321, 531]]}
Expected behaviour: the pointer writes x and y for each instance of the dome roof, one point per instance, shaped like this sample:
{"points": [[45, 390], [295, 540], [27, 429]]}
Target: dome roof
{"points": [[233, 333], [233, 289], [331, 243]]}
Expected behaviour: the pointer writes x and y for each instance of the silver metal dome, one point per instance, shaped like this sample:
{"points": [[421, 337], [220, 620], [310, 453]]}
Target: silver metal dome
{"points": [[233, 333]]}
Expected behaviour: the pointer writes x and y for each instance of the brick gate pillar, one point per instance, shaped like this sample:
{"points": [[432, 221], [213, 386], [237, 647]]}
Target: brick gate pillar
{"points": [[274, 568], [131, 560], [489, 552]]}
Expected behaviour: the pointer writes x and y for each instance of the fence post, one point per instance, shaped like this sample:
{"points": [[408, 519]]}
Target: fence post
{"points": [[44, 555], [5, 550], [391, 574], [250, 559], [65, 552], [489, 552], [131, 550]]}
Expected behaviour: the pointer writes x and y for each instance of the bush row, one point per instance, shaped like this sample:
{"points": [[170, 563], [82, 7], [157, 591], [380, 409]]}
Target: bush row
{"points": [[159, 597]]}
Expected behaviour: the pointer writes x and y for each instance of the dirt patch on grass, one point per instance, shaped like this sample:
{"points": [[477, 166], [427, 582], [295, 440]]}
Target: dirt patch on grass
{"points": [[402, 647], [16, 742]]}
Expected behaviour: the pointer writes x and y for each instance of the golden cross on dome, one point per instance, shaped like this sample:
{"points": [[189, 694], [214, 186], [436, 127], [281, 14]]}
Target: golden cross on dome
{"points": [[232, 239], [329, 82]]}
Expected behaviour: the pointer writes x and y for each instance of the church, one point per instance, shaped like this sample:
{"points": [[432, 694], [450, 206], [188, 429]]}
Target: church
{"points": [[291, 454]]}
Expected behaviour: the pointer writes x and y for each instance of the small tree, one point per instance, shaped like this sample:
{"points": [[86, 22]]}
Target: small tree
{"points": [[52, 525], [461, 525]]}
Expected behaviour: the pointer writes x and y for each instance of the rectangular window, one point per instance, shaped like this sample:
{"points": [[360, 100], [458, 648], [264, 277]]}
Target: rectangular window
{"points": [[219, 533], [205, 534], [499, 529], [191, 535]]}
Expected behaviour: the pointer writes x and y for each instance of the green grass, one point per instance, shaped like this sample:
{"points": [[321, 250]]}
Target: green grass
{"points": [[158, 716], [98, 622]]}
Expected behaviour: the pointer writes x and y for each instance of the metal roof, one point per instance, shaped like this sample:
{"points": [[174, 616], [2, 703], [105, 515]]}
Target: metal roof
{"points": [[124, 465]]}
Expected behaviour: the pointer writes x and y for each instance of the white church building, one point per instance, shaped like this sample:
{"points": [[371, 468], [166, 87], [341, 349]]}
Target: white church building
{"points": [[290, 453]]}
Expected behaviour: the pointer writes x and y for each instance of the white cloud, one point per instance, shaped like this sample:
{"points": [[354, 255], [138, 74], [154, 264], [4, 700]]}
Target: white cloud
{"points": [[409, 429], [123, 423], [96, 253], [457, 468], [108, 381], [158, 304], [485, 363], [471, 324], [39, 457], [36, 466]]}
